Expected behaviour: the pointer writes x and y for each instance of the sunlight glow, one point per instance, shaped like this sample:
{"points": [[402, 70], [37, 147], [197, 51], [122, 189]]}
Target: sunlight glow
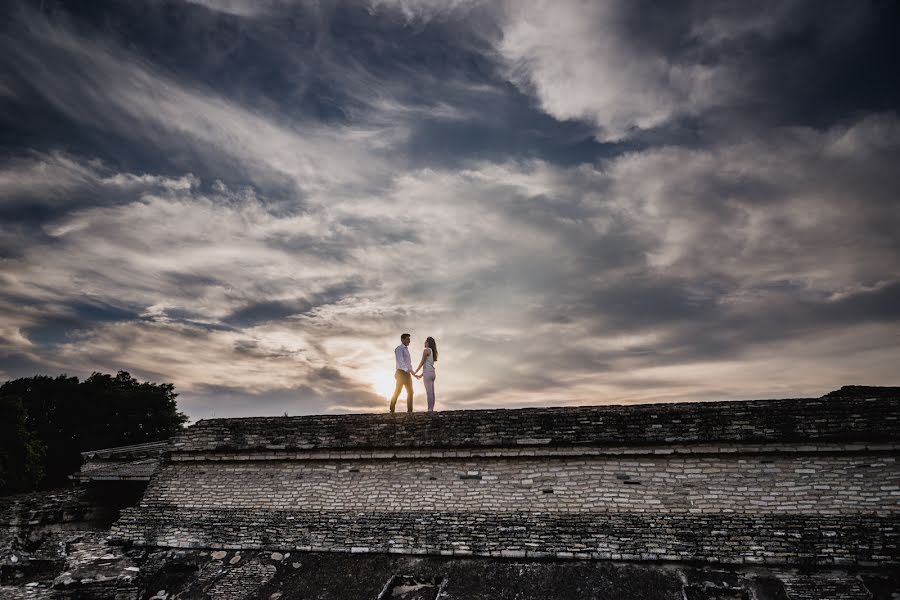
{"points": [[382, 381]]}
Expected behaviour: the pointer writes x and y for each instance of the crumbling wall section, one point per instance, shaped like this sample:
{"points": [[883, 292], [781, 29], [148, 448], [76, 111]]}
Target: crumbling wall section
{"points": [[779, 482]]}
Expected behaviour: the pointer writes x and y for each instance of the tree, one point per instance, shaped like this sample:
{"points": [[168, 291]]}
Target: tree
{"points": [[103, 411], [118, 411], [21, 452], [43, 397]]}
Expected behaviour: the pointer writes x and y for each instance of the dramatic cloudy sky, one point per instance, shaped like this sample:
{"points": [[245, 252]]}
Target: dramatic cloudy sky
{"points": [[585, 202]]}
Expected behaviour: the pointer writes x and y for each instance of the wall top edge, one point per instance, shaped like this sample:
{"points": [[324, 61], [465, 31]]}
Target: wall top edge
{"points": [[636, 452], [790, 421]]}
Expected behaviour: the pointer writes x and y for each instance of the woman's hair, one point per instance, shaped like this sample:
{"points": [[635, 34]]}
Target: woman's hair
{"points": [[433, 345]]}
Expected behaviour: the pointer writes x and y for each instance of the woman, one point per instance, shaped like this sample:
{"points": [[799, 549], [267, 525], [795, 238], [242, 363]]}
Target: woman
{"points": [[429, 357]]}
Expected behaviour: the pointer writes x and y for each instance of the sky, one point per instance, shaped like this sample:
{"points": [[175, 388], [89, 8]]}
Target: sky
{"points": [[584, 202]]}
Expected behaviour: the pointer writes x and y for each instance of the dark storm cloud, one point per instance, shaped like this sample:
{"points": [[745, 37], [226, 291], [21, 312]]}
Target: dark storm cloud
{"points": [[583, 201], [770, 45]]}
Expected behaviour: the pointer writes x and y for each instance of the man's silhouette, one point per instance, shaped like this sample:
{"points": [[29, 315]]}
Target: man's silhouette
{"points": [[403, 375]]}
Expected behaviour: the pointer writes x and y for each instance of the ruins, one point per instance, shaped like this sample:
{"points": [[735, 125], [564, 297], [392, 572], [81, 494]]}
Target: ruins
{"points": [[766, 499]]}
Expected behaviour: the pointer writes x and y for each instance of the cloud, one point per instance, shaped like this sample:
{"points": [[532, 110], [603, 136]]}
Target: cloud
{"points": [[102, 87], [425, 11], [633, 265], [240, 8], [625, 67], [573, 58], [258, 225], [276, 310]]}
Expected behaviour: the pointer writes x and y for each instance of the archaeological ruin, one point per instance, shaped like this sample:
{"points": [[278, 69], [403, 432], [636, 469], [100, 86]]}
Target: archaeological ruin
{"points": [[767, 499]]}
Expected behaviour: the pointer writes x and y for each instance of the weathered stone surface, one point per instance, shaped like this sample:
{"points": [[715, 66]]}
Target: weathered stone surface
{"points": [[751, 539], [135, 463], [36, 530], [242, 581], [27, 520], [796, 420], [826, 482], [92, 564], [807, 482]]}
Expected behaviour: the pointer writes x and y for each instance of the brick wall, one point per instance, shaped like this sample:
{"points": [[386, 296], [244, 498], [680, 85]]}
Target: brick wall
{"points": [[712, 484], [787, 482], [737, 539]]}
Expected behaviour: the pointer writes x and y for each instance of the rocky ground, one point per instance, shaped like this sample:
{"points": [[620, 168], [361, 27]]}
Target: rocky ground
{"points": [[89, 568]]}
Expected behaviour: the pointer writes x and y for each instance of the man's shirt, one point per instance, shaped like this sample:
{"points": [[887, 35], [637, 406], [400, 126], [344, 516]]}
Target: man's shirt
{"points": [[404, 362]]}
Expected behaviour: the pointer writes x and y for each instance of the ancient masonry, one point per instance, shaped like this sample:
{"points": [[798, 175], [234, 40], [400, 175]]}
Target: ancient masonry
{"points": [[809, 482]]}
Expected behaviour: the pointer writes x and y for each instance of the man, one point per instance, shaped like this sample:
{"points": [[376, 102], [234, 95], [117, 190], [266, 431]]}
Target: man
{"points": [[403, 375]]}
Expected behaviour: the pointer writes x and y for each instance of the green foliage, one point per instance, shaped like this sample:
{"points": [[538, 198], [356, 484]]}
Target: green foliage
{"points": [[67, 417], [21, 452]]}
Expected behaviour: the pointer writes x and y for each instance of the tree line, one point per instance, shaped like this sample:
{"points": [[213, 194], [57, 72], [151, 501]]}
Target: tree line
{"points": [[46, 422]]}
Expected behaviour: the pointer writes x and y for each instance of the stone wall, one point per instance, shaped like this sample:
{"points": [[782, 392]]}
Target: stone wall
{"points": [[801, 420], [59, 506], [810, 482], [34, 526], [781, 482], [866, 540]]}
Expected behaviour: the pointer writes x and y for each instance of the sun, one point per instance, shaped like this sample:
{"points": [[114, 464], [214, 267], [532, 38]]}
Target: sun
{"points": [[382, 382]]}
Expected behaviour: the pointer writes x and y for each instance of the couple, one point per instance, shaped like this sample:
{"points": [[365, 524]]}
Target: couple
{"points": [[405, 371]]}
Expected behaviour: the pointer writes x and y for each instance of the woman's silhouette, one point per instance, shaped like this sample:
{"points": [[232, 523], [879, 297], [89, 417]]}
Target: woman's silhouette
{"points": [[429, 357]]}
